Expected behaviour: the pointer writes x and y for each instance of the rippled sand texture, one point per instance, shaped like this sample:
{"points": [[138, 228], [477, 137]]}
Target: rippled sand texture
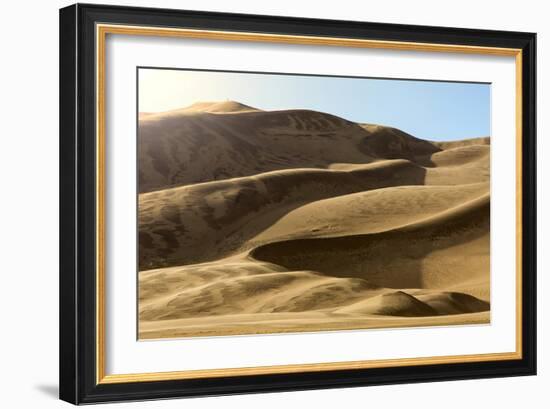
{"points": [[286, 221]]}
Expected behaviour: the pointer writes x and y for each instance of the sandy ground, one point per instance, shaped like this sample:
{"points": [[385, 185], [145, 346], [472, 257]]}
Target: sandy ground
{"points": [[285, 221]]}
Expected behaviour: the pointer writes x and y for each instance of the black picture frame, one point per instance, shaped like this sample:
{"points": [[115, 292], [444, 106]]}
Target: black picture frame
{"points": [[78, 313]]}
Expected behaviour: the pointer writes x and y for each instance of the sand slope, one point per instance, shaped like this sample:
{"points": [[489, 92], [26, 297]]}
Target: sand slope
{"points": [[254, 222]]}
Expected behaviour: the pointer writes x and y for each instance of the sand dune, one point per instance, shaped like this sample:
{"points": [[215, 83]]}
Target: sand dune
{"points": [[463, 155], [393, 258], [237, 140], [202, 222], [254, 222], [465, 142], [241, 144], [391, 143], [370, 211], [310, 321]]}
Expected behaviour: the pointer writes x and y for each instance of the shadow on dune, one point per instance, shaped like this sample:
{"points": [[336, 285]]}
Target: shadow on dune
{"points": [[208, 221], [392, 259], [392, 143]]}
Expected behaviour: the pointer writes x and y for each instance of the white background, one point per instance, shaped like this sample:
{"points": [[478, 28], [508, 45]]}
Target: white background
{"points": [[125, 355], [28, 165]]}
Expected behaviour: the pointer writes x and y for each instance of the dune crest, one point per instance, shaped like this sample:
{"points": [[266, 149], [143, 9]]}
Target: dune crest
{"points": [[219, 107]]}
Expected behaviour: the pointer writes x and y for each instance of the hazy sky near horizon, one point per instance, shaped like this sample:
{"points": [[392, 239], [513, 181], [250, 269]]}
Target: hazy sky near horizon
{"points": [[436, 111]]}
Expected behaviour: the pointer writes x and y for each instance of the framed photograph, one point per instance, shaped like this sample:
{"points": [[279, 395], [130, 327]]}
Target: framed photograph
{"points": [[257, 203]]}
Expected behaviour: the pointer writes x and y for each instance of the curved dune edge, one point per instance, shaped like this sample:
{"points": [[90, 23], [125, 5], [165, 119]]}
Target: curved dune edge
{"points": [[197, 216], [367, 212], [372, 256]]}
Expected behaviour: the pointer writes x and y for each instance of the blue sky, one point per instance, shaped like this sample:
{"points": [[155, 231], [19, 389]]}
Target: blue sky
{"points": [[429, 110]]}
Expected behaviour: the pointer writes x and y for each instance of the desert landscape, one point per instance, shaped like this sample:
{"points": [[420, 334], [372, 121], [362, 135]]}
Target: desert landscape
{"points": [[255, 221]]}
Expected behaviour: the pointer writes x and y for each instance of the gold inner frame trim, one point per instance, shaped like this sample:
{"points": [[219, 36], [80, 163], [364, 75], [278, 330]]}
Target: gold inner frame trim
{"points": [[101, 33]]}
